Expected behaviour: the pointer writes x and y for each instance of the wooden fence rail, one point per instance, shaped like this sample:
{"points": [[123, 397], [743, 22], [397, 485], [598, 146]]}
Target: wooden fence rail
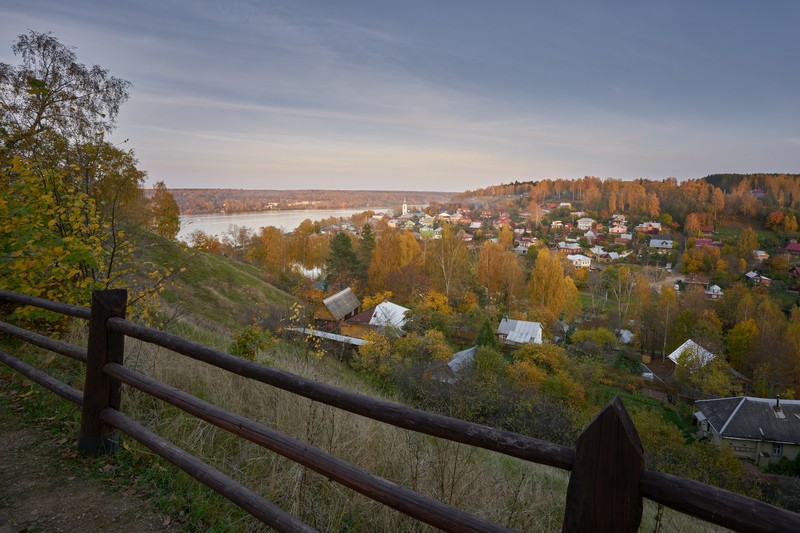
{"points": [[606, 488]]}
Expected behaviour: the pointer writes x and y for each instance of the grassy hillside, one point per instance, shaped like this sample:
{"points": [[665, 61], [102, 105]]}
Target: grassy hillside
{"points": [[213, 292]]}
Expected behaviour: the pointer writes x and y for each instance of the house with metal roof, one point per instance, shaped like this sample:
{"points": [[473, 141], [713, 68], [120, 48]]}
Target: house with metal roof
{"points": [[695, 351], [517, 332], [337, 308], [761, 430], [451, 371], [386, 317]]}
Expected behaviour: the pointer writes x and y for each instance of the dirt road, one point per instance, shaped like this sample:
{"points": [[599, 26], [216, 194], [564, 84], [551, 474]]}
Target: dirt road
{"points": [[46, 487]]}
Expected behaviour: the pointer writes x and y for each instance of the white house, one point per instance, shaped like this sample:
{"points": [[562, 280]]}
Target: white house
{"points": [[519, 332], [648, 226], [714, 292], [703, 356], [580, 261], [585, 223], [618, 230], [760, 255]]}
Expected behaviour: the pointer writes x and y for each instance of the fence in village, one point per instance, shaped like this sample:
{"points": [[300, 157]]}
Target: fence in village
{"points": [[607, 483]]}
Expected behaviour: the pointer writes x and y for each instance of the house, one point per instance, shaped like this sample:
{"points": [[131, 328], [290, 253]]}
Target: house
{"points": [[338, 307], [565, 204], [793, 248], [579, 261], [760, 255], [556, 224], [649, 227], [590, 235], [758, 279], [707, 231], [702, 355], [598, 252], [569, 247], [761, 430], [623, 238], [384, 317], [451, 371], [618, 230], [703, 243], [475, 225], [661, 244], [714, 292], [585, 224], [517, 332]]}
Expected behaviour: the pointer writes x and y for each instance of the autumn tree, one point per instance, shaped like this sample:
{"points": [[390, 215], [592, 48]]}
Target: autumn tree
{"points": [[740, 342], [748, 241], [505, 237], [572, 301], [546, 287], [692, 224], [621, 282], [51, 96], [166, 214], [397, 264], [65, 189], [448, 262], [667, 309], [268, 249]]}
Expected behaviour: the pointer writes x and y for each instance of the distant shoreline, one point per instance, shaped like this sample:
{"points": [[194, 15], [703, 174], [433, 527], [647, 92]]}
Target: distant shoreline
{"points": [[204, 201]]}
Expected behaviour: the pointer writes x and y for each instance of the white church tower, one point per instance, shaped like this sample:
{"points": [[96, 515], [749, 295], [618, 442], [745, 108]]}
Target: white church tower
{"points": [[405, 207]]}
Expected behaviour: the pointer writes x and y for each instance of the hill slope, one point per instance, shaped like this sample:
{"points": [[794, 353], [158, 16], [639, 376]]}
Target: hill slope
{"points": [[211, 290]]}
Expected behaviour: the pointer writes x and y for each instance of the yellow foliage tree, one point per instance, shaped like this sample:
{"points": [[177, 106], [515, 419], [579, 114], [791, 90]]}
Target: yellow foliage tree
{"points": [[546, 285]]}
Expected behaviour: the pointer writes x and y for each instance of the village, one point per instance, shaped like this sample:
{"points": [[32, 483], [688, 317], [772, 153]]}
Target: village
{"points": [[645, 294]]}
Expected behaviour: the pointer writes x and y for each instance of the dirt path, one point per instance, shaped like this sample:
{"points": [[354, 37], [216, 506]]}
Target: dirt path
{"points": [[44, 487]]}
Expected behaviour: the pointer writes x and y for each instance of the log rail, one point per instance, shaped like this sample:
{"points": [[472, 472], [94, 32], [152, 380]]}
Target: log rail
{"points": [[607, 484]]}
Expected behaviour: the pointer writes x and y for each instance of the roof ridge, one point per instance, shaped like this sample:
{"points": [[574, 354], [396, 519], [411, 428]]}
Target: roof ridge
{"points": [[721, 431]]}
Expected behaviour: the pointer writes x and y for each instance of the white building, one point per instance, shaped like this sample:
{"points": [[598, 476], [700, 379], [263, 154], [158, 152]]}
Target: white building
{"points": [[585, 224], [580, 261]]}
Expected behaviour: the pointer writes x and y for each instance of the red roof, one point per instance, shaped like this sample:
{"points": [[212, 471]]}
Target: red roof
{"points": [[793, 247]]}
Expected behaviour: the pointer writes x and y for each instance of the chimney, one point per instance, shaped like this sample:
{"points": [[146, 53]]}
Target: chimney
{"points": [[777, 402]]}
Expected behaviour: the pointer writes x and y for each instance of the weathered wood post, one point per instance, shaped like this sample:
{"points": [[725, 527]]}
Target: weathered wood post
{"points": [[100, 391], [603, 492]]}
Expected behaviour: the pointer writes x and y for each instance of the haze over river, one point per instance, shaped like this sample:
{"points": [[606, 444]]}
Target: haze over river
{"points": [[217, 223]]}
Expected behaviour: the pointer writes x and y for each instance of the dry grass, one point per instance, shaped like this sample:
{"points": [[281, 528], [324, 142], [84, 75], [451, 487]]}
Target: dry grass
{"points": [[508, 491], [514, 493]]}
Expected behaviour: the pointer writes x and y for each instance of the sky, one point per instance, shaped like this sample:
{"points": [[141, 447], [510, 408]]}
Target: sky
{"points": [[436, 94]]}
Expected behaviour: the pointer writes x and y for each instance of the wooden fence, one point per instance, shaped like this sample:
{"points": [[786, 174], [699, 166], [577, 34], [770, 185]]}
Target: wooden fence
{"points": [[606, 488]]}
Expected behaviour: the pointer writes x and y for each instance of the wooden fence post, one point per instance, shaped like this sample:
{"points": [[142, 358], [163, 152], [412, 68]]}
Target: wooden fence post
{"points": [[603, 492], [100, 391]]}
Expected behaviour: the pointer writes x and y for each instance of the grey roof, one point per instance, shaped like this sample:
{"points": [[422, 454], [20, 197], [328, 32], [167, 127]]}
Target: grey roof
{"points": [[342, 303], [660, 243], [520, 331], [753, 418], [462, 359]]}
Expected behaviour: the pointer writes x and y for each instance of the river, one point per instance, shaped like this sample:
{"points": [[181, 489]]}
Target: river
{"points": [[217, 223]]}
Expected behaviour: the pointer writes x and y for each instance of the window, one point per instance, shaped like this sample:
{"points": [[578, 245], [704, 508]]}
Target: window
{"points": [[777, 450]]}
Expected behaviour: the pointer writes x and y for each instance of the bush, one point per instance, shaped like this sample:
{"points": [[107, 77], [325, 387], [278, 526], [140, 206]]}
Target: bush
{"points": [[249, 341]]}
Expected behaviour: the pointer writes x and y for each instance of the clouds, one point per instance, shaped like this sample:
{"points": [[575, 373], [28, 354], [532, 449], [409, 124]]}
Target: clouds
{"points": [[436, 95]]}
